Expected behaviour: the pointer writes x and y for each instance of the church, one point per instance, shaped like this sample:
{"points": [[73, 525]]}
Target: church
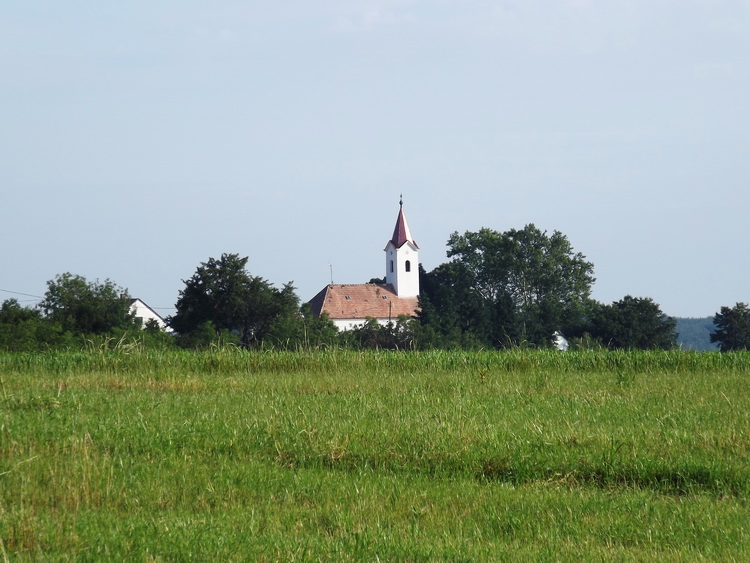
{"points": [[350, 305]]}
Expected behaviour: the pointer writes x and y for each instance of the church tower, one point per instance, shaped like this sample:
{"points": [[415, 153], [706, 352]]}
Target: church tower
{"points": [[402, 259]]}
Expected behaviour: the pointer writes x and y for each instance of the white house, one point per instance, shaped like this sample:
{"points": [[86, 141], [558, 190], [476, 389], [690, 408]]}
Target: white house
{"points": [[350, 305], [144, 313]]}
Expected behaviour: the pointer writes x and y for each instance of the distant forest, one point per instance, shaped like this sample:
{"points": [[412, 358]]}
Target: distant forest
{"points": [[695, 334]]}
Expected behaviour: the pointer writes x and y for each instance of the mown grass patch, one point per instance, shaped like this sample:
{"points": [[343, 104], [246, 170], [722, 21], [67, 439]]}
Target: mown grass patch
{"points": [[230, 454]]}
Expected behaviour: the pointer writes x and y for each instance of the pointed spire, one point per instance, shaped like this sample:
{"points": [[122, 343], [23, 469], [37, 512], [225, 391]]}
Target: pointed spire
{"points": [[401, 234]]}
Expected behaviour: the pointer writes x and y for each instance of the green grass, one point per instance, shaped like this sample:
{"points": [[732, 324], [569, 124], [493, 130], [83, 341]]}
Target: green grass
{"points": [[226, 454]]}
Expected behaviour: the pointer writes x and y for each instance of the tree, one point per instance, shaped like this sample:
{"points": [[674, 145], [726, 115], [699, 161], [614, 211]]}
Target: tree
{"points": [[224, 293], [732, 328], [453, 315], [632, 322], [513, 287], [206, 335], [12, 313], [23, 329], [303, 330], [83, 307], [399, 335]]}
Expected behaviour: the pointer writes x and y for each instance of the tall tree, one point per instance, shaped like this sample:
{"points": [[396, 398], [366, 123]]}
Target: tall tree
{"points": [[224, 293], [454, 315], [83, 307], [732, 328], [632, 322], [517, 286]]}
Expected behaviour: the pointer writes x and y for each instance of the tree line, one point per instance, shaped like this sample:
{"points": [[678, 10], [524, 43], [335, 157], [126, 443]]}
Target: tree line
{"points": [[497, 290]]}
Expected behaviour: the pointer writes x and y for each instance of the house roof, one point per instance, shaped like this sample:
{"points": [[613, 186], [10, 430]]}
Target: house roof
{"points": [[359, 301], [401, 234]]}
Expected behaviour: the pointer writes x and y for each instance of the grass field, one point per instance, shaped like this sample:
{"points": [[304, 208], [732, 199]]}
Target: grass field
{"points": [[383, 455]]}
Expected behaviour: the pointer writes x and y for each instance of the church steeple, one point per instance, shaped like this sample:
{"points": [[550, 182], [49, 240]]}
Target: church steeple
{"points": [[401, 233], [402, 258]]}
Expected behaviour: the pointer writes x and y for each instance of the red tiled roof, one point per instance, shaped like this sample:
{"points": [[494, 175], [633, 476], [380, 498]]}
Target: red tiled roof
{"points": [[401, 234], [359, 301]]}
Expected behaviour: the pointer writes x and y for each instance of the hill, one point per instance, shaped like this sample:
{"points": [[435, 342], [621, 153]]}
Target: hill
{"points": [[695, 334]]}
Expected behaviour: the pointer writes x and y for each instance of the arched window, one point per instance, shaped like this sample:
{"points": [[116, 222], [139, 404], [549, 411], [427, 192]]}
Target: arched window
{"points": [[408, 265], [391, 266]]}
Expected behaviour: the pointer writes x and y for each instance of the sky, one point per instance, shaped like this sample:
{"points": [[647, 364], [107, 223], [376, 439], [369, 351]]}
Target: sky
{"points": [[139, 139]]}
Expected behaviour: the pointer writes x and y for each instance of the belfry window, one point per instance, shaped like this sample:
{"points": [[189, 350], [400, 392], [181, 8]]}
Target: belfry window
{"points": [[408, 265], [391, 266]]}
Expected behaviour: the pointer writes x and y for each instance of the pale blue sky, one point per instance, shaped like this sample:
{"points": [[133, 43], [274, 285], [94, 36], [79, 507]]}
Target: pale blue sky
{"points": [[138, 139]]}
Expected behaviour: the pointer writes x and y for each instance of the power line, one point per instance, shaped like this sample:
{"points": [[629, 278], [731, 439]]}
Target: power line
{"points": [[40, 297], [19, 293]]}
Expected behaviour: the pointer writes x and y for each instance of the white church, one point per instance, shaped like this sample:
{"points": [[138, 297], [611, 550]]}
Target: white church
{"points": [[350, 305]]}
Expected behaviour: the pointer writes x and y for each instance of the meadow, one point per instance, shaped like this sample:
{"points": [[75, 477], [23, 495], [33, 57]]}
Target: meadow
{"points": [[232, 455]]}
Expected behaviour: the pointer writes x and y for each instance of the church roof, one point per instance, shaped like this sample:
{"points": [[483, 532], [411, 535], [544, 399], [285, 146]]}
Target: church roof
{"points": [[359, 301], [401, 234]]}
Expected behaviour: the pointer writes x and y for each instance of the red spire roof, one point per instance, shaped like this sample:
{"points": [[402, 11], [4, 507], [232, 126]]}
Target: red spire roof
{"points": [[401, 234]]}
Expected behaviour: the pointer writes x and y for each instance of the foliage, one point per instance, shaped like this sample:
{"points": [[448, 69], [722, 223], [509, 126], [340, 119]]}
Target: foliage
{"points": [[453, 315], [24, 329], [206, 335], [303, 330], [27, 330], [632, 322], [507, 288], [228, 454], [223, 293], [732, 328], [399, 335], [83, 307], [12, 313]]}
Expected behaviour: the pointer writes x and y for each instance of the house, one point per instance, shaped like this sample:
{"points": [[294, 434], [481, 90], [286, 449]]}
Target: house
{"points": [[144, 313], [350, 305]]}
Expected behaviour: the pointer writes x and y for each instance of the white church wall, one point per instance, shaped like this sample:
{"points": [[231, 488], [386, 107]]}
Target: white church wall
{"points": [[349, 324], [397, 261]]}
